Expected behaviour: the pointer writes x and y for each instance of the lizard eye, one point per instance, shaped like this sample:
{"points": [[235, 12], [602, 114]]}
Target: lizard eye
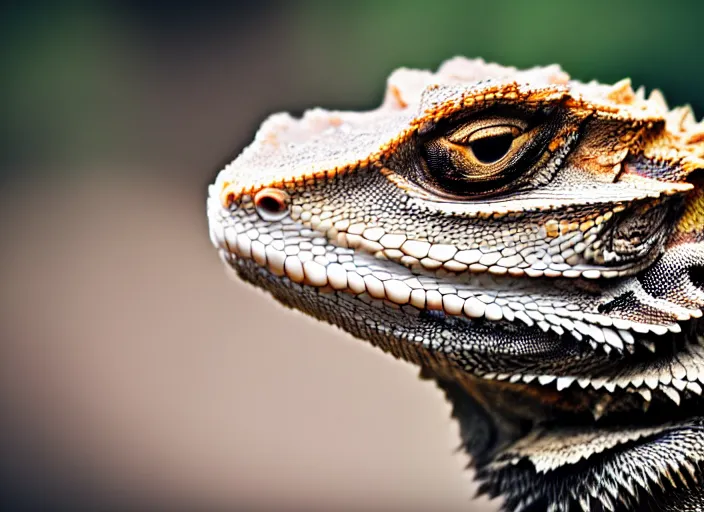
{"points": [[482, 146], [482, 156]]}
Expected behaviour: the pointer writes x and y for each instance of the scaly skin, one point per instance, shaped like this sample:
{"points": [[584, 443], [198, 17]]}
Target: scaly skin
{"points": [[534, 244]]}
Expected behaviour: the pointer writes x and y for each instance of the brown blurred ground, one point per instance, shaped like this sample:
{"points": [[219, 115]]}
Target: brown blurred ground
{"points": [[132, 372], [131, 366]]}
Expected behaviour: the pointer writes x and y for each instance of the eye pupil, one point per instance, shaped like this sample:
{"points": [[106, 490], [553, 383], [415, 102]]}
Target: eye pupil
{"points": [[490, 150]]}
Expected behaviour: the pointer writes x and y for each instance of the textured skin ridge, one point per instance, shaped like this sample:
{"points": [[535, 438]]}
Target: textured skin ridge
{"points": [[318, 145], [534, 244]]}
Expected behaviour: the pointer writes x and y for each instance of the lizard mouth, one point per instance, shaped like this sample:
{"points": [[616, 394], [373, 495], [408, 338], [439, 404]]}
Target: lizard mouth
{"points": [[586, 310], [516, 351]]}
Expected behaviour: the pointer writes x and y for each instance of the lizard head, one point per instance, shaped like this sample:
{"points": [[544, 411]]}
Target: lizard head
{"points": [[508, 229], [479, 192]]}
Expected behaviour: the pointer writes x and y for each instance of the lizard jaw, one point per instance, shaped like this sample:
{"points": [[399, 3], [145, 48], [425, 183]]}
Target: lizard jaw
{"points": [[286, 247]]}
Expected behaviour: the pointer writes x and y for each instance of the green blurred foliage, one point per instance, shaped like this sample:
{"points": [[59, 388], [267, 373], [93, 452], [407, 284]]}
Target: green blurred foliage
{"points": [[74, 73], [656, 43]]}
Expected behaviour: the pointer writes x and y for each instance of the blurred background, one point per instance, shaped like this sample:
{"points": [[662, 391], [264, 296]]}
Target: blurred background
{"points": [[133, 373]]}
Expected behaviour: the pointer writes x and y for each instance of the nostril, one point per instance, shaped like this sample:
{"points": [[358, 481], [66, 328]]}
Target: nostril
{"points": [[272, 203]]}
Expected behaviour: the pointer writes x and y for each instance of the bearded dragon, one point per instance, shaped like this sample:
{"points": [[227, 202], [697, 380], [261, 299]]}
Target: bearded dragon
{"points": [[534, 244]]}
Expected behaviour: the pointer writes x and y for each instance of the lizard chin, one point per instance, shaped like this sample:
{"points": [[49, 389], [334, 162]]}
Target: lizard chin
{"points": [[539, 404]]}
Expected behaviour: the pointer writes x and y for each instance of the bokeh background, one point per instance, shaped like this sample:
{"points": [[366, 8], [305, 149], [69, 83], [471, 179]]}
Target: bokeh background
{"points": [[133, 374]]}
